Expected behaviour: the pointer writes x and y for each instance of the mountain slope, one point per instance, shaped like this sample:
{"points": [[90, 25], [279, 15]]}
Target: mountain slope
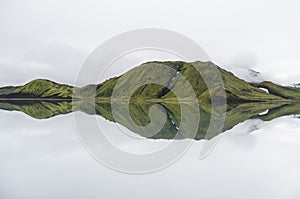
{"points": [[284, 92], [237, 90], [39, 88]]}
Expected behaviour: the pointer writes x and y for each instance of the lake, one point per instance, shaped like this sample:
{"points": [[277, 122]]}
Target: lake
{"points": [[47, 158]]}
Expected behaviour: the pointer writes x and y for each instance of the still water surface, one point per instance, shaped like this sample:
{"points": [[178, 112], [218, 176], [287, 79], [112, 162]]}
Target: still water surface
{"points": [[45, 159]]}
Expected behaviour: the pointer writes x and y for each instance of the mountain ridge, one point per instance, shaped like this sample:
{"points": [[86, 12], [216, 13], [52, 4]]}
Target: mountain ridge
{"points": [[236, 89]]}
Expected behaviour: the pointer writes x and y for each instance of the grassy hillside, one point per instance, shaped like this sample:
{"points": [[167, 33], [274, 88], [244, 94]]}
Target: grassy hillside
{"points": [[236, 90], [39, 88], [43, 99], [7, 90], [284, 92], [45, 88]]}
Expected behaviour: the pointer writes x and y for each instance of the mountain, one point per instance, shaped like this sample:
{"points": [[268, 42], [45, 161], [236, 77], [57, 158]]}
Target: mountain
{"points": [[42, 99], [236, 90], [39, 88], [284, 92]]}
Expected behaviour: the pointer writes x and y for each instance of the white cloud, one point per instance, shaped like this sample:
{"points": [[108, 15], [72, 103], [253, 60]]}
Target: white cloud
{"points": [[54, 37]]}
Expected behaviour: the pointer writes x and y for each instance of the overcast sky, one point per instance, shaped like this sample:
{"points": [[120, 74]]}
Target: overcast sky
{"points": [[51, 39]]}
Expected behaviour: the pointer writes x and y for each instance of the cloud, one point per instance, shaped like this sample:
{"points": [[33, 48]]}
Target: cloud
{"points": [[51, 39]]}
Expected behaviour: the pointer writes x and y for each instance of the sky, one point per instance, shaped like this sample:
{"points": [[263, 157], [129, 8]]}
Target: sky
{"points": [[52, 39]]}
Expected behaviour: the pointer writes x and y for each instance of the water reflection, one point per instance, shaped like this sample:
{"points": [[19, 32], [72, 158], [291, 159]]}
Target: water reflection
{"points": [[139, 112]]}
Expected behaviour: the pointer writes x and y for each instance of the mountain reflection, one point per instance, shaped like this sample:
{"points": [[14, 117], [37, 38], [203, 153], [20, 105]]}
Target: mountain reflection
{"points": [[139, 113]]}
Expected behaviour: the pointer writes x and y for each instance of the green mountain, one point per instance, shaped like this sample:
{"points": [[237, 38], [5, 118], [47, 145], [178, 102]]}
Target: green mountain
{"points": [[284, 92], [236, 90], [39, 88], [42, 99]]}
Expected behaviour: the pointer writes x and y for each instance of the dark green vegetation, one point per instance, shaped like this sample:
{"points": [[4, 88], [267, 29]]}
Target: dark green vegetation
{"points": [[38, 89], [284, 92], [236, 90], [43, 99]]}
